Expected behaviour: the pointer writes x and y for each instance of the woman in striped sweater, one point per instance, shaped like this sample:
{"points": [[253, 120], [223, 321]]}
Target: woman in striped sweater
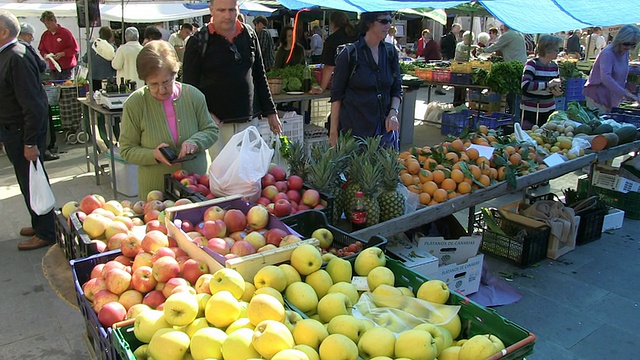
{"points": [[540, 83], [164, 113]]}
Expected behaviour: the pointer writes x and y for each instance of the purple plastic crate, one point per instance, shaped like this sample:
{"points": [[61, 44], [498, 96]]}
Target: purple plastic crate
{"points": [[573, 90], [495, 120], [625, 118]]}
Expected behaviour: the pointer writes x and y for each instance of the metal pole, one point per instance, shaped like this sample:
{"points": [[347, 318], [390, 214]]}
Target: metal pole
{"points": [[122, 24], [87, 30]]}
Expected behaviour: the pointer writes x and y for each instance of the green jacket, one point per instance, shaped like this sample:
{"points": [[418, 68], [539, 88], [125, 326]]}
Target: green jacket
{"points": [[144, 127]]}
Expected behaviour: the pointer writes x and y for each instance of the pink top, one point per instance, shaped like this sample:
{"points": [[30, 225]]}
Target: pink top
{"points": [[170, 111]]}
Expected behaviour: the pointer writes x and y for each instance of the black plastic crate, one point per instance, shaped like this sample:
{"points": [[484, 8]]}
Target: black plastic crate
{"points": [[306, 222], [63, 235], [326, 200], [590, 228], [174, 190], [99, 337], [521, 245], [80, 241]]}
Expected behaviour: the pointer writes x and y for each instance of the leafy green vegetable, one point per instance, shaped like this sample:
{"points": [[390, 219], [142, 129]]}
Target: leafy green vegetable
{"points": [[407, 68], [505, 77], [558, 115], [576, 112], [569, 70], [288, 72], [293, 84], [479, 76]]}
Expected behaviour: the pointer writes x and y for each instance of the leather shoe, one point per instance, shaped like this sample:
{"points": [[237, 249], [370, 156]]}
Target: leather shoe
{"points": [[27, 231], [49, 156], [33, 243]]}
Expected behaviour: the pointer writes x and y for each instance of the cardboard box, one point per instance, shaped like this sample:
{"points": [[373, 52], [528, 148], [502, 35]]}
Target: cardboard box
{"points": [[451, 251], [463, 278], [618, 179], [512, 211], [419, 260], [557, 248], [613, 219]]}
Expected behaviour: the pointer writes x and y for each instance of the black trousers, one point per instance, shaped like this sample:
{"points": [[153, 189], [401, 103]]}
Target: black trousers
{"points": [[12, 137]]}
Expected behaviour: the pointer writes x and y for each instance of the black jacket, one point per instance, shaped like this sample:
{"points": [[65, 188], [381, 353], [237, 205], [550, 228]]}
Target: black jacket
{"points": [[22, 98], [448, 46]]}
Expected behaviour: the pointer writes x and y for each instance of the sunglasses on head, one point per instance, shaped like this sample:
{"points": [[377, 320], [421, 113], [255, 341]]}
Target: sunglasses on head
{"points": [[236, 55], [627, 44], [385, 21]]}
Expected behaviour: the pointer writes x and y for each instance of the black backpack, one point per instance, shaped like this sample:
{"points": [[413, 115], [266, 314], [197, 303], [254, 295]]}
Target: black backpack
{"points": [[352, 54], [203, 39]]}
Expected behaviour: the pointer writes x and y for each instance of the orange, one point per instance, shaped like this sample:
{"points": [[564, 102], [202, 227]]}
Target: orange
{"points": [[416, 180], [515, 158], [430, 164], [440, 195], [433, 202], [405, 155], [473, 154], [501, 172], [475, 171], [457, 144], [425, 175], [407, 179], [464, 157], [457, 175], [449, 185], [413, 166], [483, 129], [440, 167], [452, 156], [415, 189], [429, 187], [464, 188], [456, 166], [468, 180], [451, 195], [542, 166], [484, 179], [509, 150], [438, 176], [493, 173], [424, 198], [467, 143], [481, 160]]}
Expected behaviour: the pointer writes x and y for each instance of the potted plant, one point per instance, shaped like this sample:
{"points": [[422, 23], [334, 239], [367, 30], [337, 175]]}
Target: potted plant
{"points": [[274, 79]]}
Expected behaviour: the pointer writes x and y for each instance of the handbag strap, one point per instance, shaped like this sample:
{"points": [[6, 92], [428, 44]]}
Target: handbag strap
{"points": [[376, 69]]}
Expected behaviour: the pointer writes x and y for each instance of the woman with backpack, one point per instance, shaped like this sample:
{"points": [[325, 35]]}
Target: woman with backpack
{"points": [[366, 91]]}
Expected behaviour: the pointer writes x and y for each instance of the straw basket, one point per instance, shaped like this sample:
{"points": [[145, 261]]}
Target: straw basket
{"points": [[275, 86]]}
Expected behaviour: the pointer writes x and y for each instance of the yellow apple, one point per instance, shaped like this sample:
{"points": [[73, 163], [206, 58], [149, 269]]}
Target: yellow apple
{"points": [[306, 259], [346, 288], [381, 358], [368, 259], [380, 275], [291, 318], [386, 290], [229, 280], [238, 346], [207, 343], [416, 345], [326, 257], [270, 276], [147, 323], [441, 337], [367, 324], [406, 291], [476, 348], [290, 354], [338, 347], [197, 324], [169, 344], [202, 298], [222, 309], [450, 353], [142, 352], [320, 281], [340, 270], [324, 236], [270, 337], [496, 341], [270, 291], [332, 305], [290, 273], [309, 332], [311, 353], [249, 290], [302, 296], [377, 341], [265, 307], [241, 323], [461, 342], [435, 291], [348, 326], [181, 309]]}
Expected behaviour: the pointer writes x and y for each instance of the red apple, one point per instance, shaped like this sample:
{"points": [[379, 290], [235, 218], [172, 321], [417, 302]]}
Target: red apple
{"points": [[102, 298], [192, 269], [204, 180], [129, 298], [188, 180], [142, 259], [242, 248], [180, 174], [311, 198], [96, 272], [91, 287], [210, 196], [153, 299], [112, 264], [179, 252], [203, 189], [153, 205], [269, 192], [153, 240], [143, 280], [303, 207], [294, 182], [216, 228], [193, 187], [187, 226], [274, 236], [282, 208], [294, 195], [165, 268], [218, 245], [138, 207], [155, 195], [267, 180], [112, 313], [151, 215], [115, 241], [319, 207], [90, 203], [131, 246], [270, 208], [124, 260], [172, 284], [263, 201], [280, 195], [278, 173], [282, 186], [163, 252], [294, 206], [213, 213], [290, 239], [235, 220], [200, 241], [202, 284], [117, 280]]}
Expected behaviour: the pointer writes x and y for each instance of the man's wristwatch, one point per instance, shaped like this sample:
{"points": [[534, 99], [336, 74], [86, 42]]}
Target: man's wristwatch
{"points": [[395, 109], [29, 146]]}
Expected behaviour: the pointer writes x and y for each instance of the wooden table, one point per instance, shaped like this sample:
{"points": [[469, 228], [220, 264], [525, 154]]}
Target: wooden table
{"points": [[111, 118], [429, 214]]}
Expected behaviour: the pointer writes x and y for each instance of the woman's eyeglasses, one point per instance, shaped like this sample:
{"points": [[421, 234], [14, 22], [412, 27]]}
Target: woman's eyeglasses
{"points": [[164, 85], [385, 21], [629, 44], [236, 55]]}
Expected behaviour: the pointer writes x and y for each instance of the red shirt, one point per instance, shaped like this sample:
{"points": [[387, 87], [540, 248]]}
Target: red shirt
{"points": [[431, 51], [61, 41], [420, 46], [239, 28]]}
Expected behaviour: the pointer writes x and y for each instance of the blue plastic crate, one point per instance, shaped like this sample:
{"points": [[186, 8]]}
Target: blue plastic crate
{"points": [[460, 78], [573, 90], [454, 123], [489, 97], [625, 118], [561, 103], [495, 120]]}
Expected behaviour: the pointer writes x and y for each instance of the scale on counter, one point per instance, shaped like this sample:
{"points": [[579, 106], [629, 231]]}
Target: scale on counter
{"points": [[112, 101]]}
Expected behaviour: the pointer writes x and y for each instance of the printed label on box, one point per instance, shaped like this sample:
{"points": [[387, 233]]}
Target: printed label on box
{"points": [[464, 278]]}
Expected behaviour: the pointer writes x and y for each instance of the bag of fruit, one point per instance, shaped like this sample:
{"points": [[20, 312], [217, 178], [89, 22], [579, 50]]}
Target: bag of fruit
{"points": [[241, 164]]}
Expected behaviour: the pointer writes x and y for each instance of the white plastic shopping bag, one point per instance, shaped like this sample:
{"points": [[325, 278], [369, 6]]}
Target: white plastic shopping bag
{"points": [[40, 195], [241, 164]]}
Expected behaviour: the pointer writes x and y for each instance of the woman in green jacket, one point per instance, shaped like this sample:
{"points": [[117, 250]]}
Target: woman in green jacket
{"points": [[164, 113]]}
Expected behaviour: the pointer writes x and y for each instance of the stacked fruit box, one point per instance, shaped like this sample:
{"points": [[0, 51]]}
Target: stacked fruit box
{"points": [[63, 235], [174, 190]]}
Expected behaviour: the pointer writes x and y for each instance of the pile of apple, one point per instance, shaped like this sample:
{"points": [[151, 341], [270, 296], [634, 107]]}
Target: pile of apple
{"points": [[102, 220], [195, 182], [285, 196], [234, 318]]}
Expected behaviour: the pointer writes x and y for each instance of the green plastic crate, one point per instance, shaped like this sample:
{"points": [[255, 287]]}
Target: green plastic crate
{"points": [[627, 202], [475, 318], [125, 342]]}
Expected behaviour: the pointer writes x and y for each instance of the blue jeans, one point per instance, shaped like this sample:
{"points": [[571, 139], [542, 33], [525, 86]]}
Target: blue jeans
{"points": [[12, 137]]}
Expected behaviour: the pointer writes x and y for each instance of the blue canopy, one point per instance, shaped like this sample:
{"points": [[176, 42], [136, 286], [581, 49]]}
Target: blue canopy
{"points": [[246, 7], [370, 5], [602, 13]]}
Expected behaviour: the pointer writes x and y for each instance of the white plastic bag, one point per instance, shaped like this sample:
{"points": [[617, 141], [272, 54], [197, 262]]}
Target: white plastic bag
{"points": [[522, 136], [104, 49], [40, 195], [241, 164]]}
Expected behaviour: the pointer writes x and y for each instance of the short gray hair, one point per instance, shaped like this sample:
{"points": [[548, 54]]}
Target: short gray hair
{"points": [[627, 34], [547, 44], [131, 34], [10, 22], [483, 37], [26, 28]]}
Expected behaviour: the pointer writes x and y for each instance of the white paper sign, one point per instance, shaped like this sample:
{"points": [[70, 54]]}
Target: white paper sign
{"points": [[554, 159], [486, 151]]}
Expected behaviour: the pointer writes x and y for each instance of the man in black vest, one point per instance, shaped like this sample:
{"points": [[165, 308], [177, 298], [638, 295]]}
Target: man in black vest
{"points": [[23, 122]]}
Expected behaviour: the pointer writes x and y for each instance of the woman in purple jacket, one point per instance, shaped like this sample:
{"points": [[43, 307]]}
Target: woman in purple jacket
{"points": [[607, 85]]}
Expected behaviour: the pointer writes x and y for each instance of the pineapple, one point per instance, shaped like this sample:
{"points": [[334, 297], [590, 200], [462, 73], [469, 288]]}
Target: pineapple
{"points": [[367, 172], [390, 201], [345, 148], [297, 160]]}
